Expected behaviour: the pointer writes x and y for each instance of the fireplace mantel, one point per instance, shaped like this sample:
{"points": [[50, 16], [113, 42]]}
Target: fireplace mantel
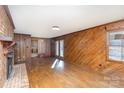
{"points": [[5, 38]]}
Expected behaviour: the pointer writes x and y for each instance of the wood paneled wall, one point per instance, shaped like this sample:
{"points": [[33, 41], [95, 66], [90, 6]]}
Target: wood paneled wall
{"points": [[22, 48], [88, 47]]}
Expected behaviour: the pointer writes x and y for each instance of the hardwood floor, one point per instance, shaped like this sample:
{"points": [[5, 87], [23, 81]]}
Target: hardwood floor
{"points": [[43, 74]]}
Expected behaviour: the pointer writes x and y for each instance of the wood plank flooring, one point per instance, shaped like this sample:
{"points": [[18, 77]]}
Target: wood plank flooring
{"points": [[44, 73]]}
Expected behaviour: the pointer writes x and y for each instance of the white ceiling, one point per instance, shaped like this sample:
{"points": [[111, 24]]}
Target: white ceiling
{"points": [[38, 20]]}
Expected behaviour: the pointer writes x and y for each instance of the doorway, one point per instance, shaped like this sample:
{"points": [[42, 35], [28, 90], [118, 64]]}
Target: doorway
{"points": [[34, 45]]}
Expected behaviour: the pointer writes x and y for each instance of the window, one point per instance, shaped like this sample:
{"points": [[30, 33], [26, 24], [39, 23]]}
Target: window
{"points": [[60, 48], [116, 45], [57, 48]]}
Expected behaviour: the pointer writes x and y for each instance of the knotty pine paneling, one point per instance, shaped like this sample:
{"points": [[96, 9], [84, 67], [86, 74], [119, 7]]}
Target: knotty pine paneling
{"points": [[89, 48], [86, 48]]}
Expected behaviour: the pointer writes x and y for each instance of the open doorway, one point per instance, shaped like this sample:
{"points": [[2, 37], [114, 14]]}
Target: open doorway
{"points": [[34, 45]]}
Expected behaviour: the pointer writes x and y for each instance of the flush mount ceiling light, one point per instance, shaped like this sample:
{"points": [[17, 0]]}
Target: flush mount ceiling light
{"points": [[55, 28]]}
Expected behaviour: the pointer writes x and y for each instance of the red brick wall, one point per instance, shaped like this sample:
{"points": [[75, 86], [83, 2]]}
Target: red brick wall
{"points": [[5, 24], [2, 65], [7, 29]]}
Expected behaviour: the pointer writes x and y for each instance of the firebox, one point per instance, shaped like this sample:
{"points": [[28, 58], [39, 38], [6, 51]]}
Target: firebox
{"points": [[10, 57]]}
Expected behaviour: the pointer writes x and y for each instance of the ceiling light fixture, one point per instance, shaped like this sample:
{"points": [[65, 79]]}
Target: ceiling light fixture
{"points": [[55, 28]]}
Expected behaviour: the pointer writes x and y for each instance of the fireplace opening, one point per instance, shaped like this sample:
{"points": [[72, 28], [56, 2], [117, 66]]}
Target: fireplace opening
{"points": [[9, 64]]}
